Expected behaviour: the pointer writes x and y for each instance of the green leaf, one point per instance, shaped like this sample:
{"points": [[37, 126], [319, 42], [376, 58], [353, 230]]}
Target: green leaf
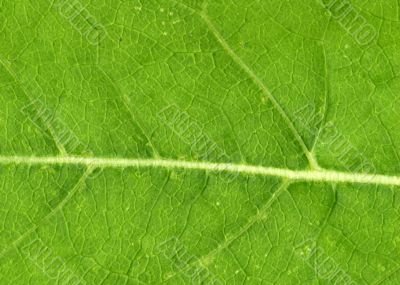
{"points": [[194, 142]]}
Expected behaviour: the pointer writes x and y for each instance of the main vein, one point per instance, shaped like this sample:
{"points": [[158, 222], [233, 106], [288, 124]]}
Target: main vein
{"points": [[296, 175]]}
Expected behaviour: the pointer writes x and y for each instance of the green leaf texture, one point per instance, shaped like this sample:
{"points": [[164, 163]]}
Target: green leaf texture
{"points": [[199, 142]]}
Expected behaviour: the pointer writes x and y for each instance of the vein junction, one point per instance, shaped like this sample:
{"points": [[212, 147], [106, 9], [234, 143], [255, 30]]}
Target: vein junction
{"points": [[295, 175]]}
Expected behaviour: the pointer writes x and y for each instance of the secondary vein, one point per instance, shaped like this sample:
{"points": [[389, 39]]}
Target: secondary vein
{"points": [[238, 60], [294, 175]]}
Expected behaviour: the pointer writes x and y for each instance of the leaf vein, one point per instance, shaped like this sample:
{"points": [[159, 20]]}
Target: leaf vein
{"points": [[294, 175]]}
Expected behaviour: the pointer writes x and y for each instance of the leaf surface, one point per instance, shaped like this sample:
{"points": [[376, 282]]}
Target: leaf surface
{"points": [[193, 142]]}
